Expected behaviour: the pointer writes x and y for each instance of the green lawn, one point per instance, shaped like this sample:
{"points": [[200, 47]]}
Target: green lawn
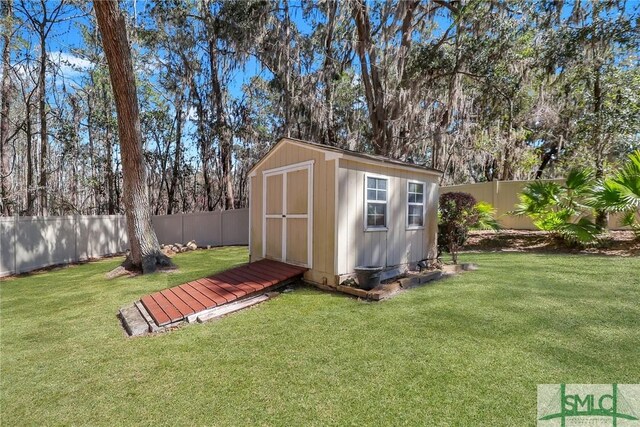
{"points": [[468, 350]]}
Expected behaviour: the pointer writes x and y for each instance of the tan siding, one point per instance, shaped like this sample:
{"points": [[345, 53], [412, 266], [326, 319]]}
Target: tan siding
{"points": [[320, 230], [255, 207], [297, 241], [274, 202], [323, 204], [274, 238], [297, 192], [395, 246]]}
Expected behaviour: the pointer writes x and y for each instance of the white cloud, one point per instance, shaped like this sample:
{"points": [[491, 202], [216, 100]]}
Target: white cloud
{"points": [[71, 66], [192, 114]]}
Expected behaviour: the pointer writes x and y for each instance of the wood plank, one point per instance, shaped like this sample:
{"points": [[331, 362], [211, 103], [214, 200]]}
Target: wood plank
{"points": [[167, 307], [280, 275], [214, 285], [158, 315], [180, 305], [272, 266], [262, 279], [284, 268], [174, 304], [197, 295], [243, 284], [239, 293], [217, 299], [229, 308], [260, 275], [271, 273], [223, 294], [238, 274], [192, 302]]}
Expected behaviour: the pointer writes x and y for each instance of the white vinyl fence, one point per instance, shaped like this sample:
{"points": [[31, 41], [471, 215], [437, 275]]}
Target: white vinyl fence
{"points": [[29, 243]]}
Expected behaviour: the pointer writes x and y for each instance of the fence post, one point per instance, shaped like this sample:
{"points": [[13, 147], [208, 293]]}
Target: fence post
{"points": [[76, 257], [15, 244], [495, 187], [182, 239], [222, 243]]}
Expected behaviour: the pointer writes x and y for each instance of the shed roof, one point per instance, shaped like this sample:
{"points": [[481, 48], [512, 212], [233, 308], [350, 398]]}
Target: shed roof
{"points": [[349, 154]]}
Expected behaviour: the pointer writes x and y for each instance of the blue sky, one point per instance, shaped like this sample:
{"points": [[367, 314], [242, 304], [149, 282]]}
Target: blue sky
{"points": [[66, 39]]}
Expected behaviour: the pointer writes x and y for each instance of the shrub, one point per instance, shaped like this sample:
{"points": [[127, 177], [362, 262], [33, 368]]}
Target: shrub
{"points": [[456, 215], [486, 217], [621, 192], [561, 209]]}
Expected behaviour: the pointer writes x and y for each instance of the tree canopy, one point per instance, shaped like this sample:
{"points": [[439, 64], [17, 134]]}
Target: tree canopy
{"points": [[483, 90]]}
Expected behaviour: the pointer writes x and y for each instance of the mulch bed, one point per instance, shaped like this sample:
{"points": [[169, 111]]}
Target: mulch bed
{"points": [[616, 243]]}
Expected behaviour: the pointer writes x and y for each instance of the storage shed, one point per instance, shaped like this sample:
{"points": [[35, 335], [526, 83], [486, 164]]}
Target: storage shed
{"points": [[331, 210]]}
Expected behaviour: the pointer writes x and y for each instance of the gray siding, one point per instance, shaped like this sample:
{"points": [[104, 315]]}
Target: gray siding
{"points": [[395, 246]]}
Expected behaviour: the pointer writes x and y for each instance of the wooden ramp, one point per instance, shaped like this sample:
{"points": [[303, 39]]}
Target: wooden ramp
{"points": [[175, 304]]}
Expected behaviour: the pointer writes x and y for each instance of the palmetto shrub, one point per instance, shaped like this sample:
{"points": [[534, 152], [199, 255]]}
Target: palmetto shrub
{"points": [[621, 192], [486, 217], [563, 210]]}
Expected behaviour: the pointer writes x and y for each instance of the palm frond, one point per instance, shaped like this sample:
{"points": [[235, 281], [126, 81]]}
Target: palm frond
{"points": [[583, 231], [579, 181], [486, 217], [537, 197], [607, 195]]}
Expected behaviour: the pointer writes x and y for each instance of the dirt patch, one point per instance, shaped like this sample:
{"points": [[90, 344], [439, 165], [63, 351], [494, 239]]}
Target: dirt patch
{"points": [[616, 243]]}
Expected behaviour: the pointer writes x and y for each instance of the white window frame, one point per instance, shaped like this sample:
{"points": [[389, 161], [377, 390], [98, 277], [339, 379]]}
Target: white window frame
{"points": [[423, 204], [367, 201]]}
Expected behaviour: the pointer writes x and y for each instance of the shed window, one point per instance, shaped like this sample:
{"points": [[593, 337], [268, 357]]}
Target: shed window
{"points": [[376, 202], [415, 204]]}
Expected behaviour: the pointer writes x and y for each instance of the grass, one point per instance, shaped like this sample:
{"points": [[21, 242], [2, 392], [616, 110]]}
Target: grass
{"points": [[468, 350]]}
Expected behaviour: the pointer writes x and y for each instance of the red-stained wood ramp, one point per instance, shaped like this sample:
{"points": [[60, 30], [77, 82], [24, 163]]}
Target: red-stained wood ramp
{"points": [[175, 304]]}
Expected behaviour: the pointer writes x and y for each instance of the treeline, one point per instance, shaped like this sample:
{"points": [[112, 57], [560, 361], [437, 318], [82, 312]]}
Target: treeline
{"points": [[483, 90]]}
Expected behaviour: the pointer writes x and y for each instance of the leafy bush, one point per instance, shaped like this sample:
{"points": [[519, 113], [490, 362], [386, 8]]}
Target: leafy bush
{"points": [[456, 215], [621, 192], [563, 210], [486, 217]]}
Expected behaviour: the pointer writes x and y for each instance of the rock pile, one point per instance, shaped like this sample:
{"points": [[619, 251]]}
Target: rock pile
{"points": [[172, 249]]}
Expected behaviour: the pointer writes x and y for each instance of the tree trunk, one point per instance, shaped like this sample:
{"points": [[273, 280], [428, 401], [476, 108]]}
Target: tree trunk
{"points": [[601, 214], [42, 109], [145, 250], [75, 114], [222, 128], [29, 136], [176, 159], [106, 105], [288, 68], [329, 72], [203, 143], [384, 104], [368, 71], [7, 14]]}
